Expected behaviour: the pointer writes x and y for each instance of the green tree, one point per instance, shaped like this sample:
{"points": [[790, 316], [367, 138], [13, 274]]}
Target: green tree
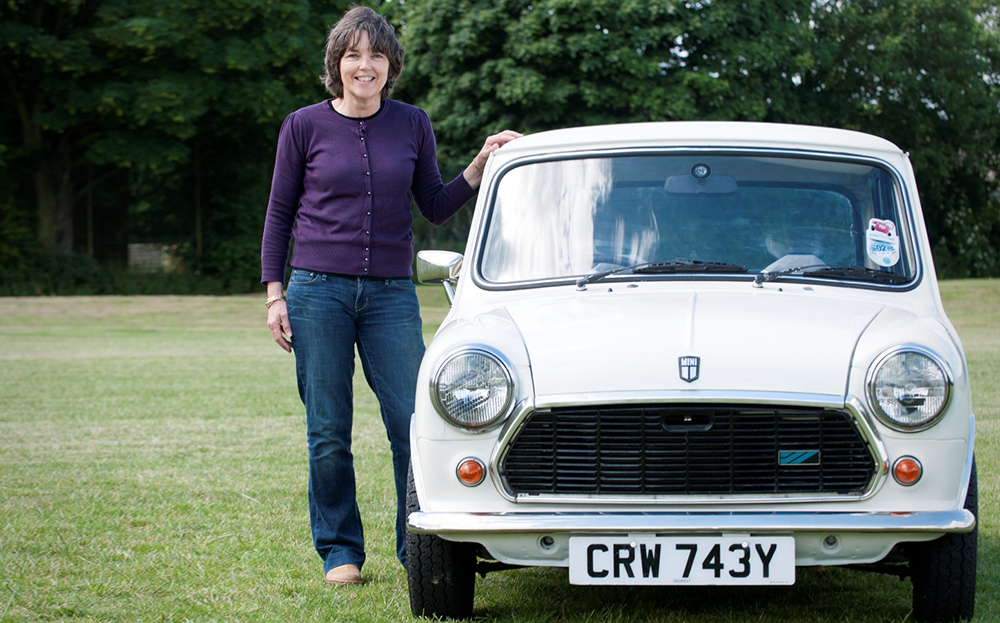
{"points": [[926, 75], [536, 65], [481, 66], [922, 73], [169, 107]]}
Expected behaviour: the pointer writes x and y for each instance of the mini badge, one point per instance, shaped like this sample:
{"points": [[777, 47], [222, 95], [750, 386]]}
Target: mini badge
{"points": [[881, 242], [690, 368]]}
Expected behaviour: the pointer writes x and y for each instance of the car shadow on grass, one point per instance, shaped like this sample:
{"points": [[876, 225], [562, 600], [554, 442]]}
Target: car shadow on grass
{"points": [[535, 595]]}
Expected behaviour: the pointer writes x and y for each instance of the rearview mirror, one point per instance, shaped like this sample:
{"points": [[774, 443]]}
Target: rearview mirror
{"points": [[690, 185]]}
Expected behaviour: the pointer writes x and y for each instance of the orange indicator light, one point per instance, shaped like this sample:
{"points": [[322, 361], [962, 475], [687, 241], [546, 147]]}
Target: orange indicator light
{"points": [[471, 472], [907, 470]]}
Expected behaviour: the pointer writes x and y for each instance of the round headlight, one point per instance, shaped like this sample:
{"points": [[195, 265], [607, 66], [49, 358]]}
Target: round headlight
{"points": [[909, 389], [473, 389]]}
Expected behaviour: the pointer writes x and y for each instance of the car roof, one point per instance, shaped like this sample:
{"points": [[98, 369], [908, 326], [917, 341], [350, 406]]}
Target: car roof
{"points": [[701, 134]]}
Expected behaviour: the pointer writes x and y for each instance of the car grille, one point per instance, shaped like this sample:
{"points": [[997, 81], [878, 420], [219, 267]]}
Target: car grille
{"points": [[688, 450]]}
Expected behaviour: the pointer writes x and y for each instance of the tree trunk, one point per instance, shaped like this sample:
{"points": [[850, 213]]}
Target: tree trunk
{"points": [[53, 177], [90, 211], [197, 203], [54, 195]]}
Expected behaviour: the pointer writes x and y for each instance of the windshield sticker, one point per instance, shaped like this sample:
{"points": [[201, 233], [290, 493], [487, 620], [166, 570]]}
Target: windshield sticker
{"points": [[882, 242]]}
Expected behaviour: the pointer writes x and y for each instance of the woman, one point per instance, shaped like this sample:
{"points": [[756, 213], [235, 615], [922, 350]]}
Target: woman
{"points": [[343, 175]]}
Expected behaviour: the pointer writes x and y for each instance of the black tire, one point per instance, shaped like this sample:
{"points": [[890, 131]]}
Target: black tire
{"points": [[440, 574], [944, 570]]}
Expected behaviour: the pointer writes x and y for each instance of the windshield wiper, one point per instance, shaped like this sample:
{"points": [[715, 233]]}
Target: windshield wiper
{"points": [[661, 268], [761, 277], [841, 272], [858, 272]]}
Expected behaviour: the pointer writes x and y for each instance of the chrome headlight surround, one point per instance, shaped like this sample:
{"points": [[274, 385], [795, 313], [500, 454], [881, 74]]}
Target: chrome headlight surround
{"points": [[909, 388], [473, 389]]}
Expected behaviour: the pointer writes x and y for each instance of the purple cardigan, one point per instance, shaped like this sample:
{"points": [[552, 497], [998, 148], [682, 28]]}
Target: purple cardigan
{"points": [[341, 188]]}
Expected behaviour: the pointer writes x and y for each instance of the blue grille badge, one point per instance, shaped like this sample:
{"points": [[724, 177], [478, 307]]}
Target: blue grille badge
{"points": [[798, 457]]}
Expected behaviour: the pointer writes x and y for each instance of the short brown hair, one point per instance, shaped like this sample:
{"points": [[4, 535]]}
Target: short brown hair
{"points": [[345, 33]]}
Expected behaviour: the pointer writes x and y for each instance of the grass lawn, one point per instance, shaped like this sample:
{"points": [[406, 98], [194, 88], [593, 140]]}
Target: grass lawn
{"points": [[153, 468]]}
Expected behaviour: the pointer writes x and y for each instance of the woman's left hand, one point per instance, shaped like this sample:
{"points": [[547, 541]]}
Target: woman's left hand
{"points": [[474, 172]]}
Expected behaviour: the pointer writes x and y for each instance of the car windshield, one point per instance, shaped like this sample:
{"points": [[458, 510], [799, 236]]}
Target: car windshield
{"points": [[721, 215]]}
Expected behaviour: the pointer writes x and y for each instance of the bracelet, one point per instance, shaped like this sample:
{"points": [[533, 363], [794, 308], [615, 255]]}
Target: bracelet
{"points": [[274, 299]]}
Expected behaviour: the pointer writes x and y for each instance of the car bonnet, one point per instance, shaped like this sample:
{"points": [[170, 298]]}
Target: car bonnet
{"points": [[626, 340]]}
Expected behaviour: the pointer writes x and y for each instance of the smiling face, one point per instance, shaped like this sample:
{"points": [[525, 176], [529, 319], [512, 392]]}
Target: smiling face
{"points": [[361, 30], [364, 73]]}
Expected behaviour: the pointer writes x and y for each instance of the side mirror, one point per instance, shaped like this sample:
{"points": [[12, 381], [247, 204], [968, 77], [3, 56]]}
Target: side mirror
{"points": [[442, 267]]}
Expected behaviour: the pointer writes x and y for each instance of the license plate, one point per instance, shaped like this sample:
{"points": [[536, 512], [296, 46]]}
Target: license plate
{"points": [[702, 560]]}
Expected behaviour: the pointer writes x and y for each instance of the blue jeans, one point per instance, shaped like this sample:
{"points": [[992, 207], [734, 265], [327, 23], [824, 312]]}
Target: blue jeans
{"points": [[330, 315]]}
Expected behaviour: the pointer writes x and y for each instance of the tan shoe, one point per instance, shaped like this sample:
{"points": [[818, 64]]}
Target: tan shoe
{"points": [[344, 574]]}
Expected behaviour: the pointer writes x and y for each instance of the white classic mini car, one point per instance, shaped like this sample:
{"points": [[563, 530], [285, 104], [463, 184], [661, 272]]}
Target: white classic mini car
{"points": [[693, 353]]}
